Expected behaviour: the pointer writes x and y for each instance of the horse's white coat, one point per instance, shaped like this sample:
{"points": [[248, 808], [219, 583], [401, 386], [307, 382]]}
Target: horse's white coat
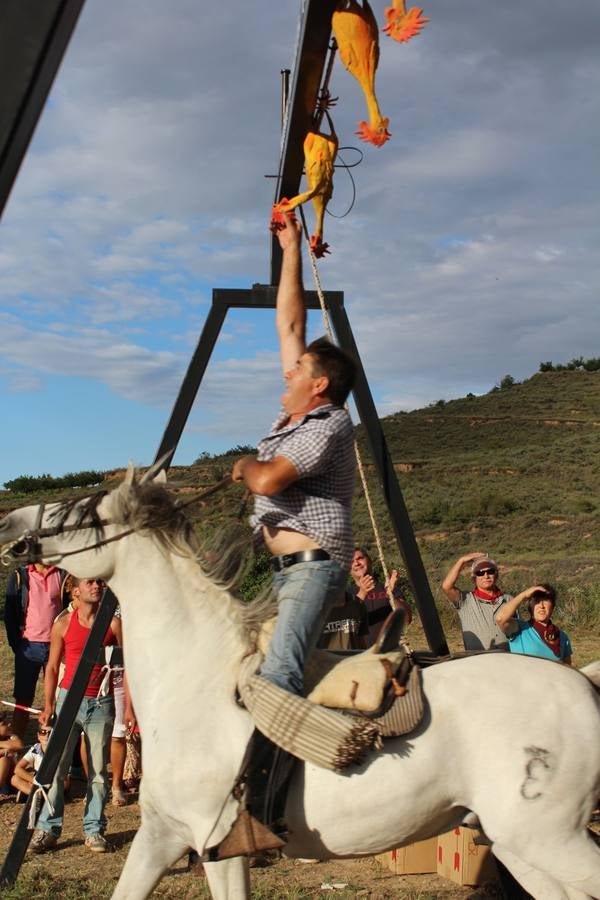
{"points": [[513, 738]]}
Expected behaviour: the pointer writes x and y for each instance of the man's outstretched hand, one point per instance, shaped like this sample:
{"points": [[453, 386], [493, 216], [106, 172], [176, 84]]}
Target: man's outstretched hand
{"points": [[288, 230]]}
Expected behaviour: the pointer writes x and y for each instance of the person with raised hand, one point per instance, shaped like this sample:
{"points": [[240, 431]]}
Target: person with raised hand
{"points": [[477, 607], [538, 635]]}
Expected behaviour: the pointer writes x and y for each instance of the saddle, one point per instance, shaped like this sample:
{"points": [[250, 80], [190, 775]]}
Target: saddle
{"points": [[365, 682], [362, 698], [362, 682]]}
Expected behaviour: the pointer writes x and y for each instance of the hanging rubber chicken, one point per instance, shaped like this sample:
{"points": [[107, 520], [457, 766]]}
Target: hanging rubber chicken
{"points": [[357, 37], [320, 151], [402, 25]]}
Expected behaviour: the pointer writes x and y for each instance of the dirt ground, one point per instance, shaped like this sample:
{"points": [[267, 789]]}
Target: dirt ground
{"points": [[73, 871]]}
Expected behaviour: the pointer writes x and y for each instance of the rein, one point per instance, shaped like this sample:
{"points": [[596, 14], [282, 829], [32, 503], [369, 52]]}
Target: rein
{"points": [[31, 550]]}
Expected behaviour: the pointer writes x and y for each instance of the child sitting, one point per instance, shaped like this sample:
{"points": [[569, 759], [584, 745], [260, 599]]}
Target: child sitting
{"points": [[10, 748], [28, 766]]}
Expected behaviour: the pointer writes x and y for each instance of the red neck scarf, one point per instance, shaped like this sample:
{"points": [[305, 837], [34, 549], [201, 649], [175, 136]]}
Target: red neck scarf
{"points": [[550, 635], [487, 598]]}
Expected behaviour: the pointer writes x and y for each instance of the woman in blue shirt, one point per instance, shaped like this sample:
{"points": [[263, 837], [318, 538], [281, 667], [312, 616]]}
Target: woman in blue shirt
{"points": [[539, 636]]}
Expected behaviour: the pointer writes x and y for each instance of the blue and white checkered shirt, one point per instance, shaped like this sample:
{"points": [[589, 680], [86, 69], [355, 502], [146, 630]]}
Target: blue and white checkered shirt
{"points": [[319, 504]]}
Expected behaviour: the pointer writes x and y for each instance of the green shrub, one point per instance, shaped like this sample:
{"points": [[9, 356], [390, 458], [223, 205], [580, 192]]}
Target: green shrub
{"points": [[578, 605], [27, 484]]}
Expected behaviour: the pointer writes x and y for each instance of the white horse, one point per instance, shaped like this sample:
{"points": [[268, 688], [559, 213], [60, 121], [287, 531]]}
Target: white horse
{"points": [[512, 738]]}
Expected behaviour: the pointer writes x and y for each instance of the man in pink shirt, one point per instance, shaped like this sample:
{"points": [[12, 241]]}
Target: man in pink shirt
{"points": [[34, 597]]}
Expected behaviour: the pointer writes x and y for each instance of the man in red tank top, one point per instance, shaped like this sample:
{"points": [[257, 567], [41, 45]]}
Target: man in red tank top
{"points": [[94, 719]]}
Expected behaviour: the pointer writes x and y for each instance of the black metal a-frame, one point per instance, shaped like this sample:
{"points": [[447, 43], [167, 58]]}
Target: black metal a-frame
{"points": [[262, 296], [33, 38]]}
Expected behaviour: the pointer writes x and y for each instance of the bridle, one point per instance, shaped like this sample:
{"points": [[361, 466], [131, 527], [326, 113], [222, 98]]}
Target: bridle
{"points": [[27, 548]]}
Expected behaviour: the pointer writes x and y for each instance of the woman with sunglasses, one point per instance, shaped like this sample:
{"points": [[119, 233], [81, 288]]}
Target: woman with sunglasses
{"points": [[477, 608], [538, 636]]}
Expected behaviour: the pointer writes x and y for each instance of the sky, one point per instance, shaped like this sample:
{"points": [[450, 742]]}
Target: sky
{"points": [[471, 250]]}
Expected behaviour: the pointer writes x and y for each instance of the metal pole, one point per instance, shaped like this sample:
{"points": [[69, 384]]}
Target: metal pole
{"points": [[191, 383], [285, 89], [33, 38], [391, 491]]}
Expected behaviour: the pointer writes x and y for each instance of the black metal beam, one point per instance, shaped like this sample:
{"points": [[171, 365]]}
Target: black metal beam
{"points": [[311, 50], [391, 491], [34, 35]]}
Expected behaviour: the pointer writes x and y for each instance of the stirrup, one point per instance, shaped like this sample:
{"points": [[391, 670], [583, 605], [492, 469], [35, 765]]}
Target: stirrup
{"points": [[246, 837]]}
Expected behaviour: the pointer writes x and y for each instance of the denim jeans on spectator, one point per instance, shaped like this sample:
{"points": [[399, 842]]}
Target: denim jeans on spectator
{"points": [[94, 719], [305, 593], [30, 659]]}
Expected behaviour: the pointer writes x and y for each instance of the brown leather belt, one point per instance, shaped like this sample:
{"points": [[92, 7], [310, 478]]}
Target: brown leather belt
{"points": [[290, 559]]}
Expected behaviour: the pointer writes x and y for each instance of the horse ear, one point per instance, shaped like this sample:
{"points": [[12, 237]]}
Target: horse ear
{"points": [[161, 478], [156, 472], [129, 475]]}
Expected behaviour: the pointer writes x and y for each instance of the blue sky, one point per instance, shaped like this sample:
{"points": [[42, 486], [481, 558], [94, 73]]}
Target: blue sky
{"points": [[470, 252]]}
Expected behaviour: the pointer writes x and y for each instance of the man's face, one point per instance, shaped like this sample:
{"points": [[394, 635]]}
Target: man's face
{"points": [[360, 565], [89, 590], [302, 386], [44, 736], [486, 577]]}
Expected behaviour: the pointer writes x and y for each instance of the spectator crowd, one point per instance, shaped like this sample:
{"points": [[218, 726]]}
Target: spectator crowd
{"points": [[48, 617]]}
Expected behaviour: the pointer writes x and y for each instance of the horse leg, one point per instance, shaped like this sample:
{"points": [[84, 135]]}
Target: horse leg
{"points": [[576, 865], [571, 871], [229, 879], [153, 850], [538, 884]]}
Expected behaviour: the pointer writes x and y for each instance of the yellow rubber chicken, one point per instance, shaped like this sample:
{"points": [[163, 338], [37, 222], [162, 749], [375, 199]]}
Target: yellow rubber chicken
{"points": [[357, 37], [320, 151], [402, 25]]}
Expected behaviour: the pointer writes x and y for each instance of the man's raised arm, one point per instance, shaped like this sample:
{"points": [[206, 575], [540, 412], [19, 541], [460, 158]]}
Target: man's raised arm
{"points": [[291, 312]]}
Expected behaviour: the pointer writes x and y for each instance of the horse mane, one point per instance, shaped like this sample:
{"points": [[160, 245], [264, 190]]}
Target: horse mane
{"points": [[225, 556], [85, 511]]}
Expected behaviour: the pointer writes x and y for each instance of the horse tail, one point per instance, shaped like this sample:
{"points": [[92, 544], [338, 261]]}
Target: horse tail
{"points": [[592, 673]]}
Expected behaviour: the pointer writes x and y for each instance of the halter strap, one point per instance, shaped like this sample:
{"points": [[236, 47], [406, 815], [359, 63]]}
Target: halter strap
{"points": [[31, 538]]}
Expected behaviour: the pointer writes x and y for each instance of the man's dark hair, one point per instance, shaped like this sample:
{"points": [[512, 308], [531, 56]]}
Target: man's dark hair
{"points": [[71, 581], [335, 364]]}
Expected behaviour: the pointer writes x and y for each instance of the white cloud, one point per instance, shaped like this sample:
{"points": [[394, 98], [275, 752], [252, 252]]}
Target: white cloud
{"points": [[471, 249]]}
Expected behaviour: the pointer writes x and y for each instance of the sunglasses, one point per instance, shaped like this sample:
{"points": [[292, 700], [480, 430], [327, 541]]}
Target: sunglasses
{"points": [[481, 572]]}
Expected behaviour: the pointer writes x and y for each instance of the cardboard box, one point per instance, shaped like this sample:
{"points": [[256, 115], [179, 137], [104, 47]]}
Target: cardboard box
{"points": [[464, 861], [419, 858]]}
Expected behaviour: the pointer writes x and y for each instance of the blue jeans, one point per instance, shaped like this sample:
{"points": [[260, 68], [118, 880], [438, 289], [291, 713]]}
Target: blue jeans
{"points": [[30, 658], [305, 594], [94, 720]]}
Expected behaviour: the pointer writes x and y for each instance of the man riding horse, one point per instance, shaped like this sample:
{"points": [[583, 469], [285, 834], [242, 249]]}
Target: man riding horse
{"points": [[302, 478]]}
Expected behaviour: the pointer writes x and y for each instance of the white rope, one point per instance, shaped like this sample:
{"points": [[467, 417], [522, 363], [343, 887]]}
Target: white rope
{"points": [[40, 791], [359, 463], [108, 671]]}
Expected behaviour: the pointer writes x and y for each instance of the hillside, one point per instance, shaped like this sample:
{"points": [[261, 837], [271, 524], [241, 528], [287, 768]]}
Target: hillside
{"points": [[514, 472]]}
